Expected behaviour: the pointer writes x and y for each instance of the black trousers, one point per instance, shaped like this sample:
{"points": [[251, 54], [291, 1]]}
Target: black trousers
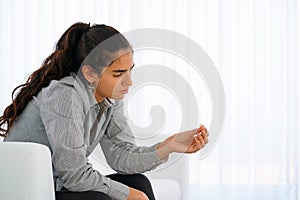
{"points": [[137, 181]]}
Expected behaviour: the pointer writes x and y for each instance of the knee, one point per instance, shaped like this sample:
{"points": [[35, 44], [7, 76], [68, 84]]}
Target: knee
{"points": [[144, 185], [102, 196], [142, 179]]}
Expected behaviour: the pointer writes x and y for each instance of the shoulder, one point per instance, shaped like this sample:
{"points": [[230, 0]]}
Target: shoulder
{"points": [[59, 90], [63, 94]]}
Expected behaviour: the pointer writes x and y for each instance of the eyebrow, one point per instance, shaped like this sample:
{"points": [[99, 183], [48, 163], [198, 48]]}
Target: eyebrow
{"points": [[122, 70]]}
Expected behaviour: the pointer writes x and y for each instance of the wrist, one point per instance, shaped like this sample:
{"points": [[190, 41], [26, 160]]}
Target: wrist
{"points": [[163, 149]]}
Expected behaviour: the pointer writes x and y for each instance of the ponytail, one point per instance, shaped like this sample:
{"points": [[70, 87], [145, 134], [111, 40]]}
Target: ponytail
{"points": [[71, 50], [59, 64]]}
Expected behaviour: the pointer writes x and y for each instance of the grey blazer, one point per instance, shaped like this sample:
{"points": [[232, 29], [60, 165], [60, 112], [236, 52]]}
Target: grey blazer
{"points": [[63, 117]]}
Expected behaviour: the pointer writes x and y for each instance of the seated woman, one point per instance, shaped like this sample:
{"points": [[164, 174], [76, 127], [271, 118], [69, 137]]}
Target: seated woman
{"points": [[73, 102]]}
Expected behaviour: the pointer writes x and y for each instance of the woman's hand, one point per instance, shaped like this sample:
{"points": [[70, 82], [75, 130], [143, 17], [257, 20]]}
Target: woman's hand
{"points": [[189, 141], [135, 194], [184, 142]]}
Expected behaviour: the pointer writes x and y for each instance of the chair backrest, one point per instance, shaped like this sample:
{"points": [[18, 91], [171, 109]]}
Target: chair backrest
{"points": [[25, 171]]}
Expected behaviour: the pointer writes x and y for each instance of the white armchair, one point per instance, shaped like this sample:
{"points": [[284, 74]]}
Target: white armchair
{"points": [[25, 171]]}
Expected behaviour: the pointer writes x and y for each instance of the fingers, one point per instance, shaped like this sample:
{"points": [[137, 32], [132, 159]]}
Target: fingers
{"points": [[202, 134], [199, 143], [203, 130], [200, 128], [202, 139]]}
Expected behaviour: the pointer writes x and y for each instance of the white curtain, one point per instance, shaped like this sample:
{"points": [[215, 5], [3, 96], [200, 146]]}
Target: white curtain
{"points": [[255, 47]]}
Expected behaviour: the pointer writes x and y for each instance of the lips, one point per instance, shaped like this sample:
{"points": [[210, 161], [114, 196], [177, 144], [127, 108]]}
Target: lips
{"points": [[124, 91]]}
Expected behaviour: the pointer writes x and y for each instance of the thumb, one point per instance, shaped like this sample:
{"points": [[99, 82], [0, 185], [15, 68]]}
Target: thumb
{"points": [[200, 128], [189, 133]]}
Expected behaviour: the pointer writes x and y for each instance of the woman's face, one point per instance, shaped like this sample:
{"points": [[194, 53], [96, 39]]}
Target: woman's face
{"points": [[115, 79]]}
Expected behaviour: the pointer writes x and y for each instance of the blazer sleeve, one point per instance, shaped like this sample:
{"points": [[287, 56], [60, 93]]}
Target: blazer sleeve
{"points": [[119, 147]]}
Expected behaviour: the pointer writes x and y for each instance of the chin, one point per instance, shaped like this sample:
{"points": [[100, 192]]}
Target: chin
{"points": [[119, 97]]}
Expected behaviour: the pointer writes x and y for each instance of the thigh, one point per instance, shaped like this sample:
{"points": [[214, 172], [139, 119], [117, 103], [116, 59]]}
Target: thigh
{"points": [[137, 181], [88, 195]]}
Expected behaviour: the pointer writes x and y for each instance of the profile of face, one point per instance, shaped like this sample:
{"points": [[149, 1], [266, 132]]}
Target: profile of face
{"points": [[115, 79]]}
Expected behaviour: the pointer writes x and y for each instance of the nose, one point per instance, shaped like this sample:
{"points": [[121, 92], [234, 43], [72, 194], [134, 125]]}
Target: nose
{"points": [[127, 81]]}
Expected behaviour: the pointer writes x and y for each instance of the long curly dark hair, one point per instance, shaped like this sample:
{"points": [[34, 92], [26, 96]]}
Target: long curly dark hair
{"points": [[71, 50]]}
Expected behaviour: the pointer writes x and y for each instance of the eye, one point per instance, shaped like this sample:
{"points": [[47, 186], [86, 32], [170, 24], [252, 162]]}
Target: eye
{"points": [[117, 74]]}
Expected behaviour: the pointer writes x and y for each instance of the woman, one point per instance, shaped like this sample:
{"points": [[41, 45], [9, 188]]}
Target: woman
{"points": [[73, 102]]}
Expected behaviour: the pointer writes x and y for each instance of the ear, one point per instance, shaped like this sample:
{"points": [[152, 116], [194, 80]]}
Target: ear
{"points": [[89, 74]]}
